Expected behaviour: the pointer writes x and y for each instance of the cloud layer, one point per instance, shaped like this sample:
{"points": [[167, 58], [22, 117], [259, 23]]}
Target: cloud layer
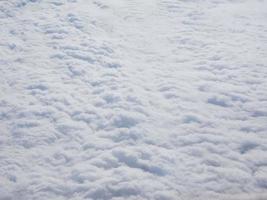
{"points": [[133, 100]]}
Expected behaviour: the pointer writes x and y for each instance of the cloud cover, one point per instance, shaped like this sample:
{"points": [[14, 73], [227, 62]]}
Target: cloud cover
{"points": [[133, 100]]}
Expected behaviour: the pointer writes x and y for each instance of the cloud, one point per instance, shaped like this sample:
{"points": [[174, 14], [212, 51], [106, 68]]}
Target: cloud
{"points": [[133, 100]]}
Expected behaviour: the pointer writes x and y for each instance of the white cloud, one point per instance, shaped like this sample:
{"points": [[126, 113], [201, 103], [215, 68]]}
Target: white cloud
{"points": [[133, 100]]}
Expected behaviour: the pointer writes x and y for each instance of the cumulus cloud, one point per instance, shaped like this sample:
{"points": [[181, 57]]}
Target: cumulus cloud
{"points": [[133, 100]]}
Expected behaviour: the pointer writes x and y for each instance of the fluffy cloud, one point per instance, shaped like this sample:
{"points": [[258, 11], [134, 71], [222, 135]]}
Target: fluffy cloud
{"points": [[133, 100]]}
